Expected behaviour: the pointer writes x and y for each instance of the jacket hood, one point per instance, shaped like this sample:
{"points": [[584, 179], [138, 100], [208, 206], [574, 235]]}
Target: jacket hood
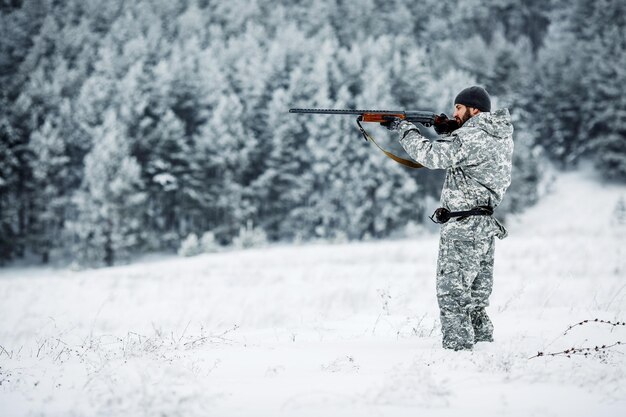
{"points": [[496, 123]]}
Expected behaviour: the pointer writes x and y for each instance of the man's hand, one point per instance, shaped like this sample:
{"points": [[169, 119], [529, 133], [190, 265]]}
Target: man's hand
{"points": [[444, 126], [392, 123], [400, 125]]}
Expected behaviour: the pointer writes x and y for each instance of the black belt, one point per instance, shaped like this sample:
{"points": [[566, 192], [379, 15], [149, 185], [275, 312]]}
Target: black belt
{"points": [[442, 215]]}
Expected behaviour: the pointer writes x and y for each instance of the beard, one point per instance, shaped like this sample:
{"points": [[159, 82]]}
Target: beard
{"points": [[464, 117]]}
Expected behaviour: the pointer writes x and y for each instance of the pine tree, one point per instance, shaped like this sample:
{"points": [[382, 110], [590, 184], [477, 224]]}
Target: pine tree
{"points": [[286, 182], [607, 104], [109, 207], [223, 153], [50, 169], [558, 92], [167, 171], [9, 177], [608, 119]]}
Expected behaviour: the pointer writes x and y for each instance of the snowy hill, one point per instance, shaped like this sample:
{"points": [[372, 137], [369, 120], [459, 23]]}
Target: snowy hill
{"points": [[327, 329]]}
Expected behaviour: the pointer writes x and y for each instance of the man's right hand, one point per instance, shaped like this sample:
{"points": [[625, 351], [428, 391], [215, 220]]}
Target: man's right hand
{"points": [[444, 126]]}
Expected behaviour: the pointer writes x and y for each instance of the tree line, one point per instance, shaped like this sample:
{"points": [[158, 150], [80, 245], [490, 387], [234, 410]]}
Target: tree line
{"points": [[127, 126]]}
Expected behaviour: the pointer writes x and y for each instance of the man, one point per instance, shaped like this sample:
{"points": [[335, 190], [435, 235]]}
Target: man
{"points": [[476, 154]]}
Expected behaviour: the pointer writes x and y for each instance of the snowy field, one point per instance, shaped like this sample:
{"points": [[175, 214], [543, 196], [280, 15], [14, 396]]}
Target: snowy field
{"points": [[337, 330]]}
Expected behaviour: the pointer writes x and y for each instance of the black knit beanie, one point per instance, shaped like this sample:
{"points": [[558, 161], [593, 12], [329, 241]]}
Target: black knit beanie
{"points": [[476, 97]]}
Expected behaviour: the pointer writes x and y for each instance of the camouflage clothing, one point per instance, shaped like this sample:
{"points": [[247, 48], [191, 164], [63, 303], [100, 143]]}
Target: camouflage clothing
{"points": [[477, 158], [464, 282]]}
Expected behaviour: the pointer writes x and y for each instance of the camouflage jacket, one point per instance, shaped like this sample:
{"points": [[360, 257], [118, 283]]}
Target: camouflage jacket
{"points": [[477, 158]]}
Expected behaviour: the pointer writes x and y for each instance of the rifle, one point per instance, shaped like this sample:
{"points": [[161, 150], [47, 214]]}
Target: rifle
{"points": [[381, 116]]}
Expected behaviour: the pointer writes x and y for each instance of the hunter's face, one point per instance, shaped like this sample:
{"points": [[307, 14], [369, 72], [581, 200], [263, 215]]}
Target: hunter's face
{"points": [[463, 113]]}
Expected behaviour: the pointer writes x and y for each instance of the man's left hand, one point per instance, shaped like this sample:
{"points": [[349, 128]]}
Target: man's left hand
{"points": [[392, 123]]}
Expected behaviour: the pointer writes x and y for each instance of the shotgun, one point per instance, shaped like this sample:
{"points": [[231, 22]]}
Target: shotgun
{"points": [[381, 116]]}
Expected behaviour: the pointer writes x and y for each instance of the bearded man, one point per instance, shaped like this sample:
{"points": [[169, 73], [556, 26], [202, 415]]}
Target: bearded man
{"points": [[476, 151]]}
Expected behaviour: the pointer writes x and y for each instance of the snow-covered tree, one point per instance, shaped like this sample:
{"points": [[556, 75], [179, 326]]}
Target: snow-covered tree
{"points": [[165, 156], [109, 207], [607, 105], [50, 168], [284, 185], [9, 189], [223, 155]]}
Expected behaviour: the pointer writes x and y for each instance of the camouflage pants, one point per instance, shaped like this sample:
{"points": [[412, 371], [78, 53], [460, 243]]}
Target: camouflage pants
{"points": [[464, 283]]}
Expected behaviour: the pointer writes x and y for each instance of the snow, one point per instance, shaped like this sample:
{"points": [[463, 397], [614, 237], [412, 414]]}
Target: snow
{"points": [[319, 329]]}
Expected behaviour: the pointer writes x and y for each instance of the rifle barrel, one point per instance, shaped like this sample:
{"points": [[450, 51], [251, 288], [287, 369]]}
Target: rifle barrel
{"points": [[377, 116], [343, 111]]}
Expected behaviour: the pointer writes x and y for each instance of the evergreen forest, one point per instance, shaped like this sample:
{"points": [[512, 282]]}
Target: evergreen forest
{"points": [[127, 126]]}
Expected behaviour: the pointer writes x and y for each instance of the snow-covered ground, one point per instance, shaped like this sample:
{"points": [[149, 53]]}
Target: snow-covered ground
{"points": [[338, 330]]}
